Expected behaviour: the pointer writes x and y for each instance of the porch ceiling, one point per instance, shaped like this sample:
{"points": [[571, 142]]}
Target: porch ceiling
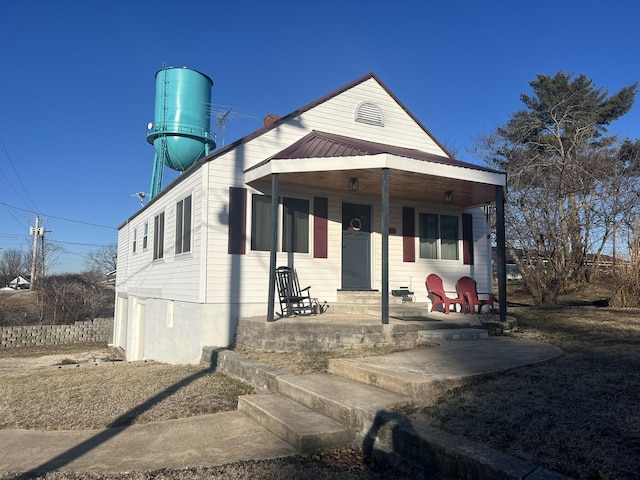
{"points": [[403, 185]]}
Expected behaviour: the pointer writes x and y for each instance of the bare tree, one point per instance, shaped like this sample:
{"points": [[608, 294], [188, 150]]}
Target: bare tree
{"points": [[103, 260], [70, 298], [569, 188], [48, 256], [12, 264]]}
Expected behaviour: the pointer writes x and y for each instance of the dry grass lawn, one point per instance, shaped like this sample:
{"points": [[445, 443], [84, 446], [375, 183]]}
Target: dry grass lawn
{"points": [[84, 396]]}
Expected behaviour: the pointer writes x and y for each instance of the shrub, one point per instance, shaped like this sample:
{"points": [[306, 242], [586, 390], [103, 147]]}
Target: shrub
{"points": [[626, 281], [66, 299]]}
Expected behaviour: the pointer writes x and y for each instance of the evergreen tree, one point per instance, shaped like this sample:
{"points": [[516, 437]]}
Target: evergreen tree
{"points": [[570, 182]]}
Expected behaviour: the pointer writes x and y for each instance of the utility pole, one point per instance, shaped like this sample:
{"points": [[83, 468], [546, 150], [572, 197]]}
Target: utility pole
{"points": [[36, 232], [42, 252]]}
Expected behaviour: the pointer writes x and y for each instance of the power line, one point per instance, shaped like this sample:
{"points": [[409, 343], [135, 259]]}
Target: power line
{"points": [[13, 235], [69, 252], [11, 213], [58, 218], [84, 244], [6, 151]]}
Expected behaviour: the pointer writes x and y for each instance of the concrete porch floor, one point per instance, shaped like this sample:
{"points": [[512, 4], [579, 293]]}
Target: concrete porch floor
{"points": [[437, 319], [370, 314], [336, 331]]}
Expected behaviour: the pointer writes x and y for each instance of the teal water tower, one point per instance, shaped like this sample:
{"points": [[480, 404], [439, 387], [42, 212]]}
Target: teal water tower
{"points": [[180, 133]]}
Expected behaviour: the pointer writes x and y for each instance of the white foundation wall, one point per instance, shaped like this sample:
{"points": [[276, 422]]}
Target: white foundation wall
{"points": [[172, 331]]}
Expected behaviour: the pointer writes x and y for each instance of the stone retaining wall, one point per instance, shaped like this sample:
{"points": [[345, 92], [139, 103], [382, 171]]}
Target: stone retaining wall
{"points": [[96, 330]]}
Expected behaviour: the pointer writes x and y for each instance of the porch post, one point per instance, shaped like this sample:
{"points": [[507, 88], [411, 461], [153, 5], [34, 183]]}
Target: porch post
{"points": [[385, 246], [501, 253], [274, 245]]}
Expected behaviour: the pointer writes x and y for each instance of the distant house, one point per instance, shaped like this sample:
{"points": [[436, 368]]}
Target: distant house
{"points": [[367, 200], [110, 279], [20, 283], [513, 272]]}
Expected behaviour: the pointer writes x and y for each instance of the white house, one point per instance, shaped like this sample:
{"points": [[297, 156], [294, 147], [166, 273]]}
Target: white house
{"points": [[368, 200], [19, 282]]}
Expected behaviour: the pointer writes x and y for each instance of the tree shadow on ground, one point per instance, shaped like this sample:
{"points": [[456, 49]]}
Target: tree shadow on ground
{"points": [[116, 427]]}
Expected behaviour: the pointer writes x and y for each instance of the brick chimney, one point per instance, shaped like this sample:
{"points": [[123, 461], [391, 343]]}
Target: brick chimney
{"points": [[270, 118]]}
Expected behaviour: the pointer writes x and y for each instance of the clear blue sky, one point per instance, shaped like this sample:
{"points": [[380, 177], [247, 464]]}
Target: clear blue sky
{"points": [[77, 82]]}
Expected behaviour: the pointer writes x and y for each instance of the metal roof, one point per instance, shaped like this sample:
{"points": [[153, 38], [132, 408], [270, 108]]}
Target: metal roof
{"points": [[323, 145]]}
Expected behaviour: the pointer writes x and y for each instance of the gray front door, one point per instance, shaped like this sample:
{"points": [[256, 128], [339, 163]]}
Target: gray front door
{"points": [[356, 246]]}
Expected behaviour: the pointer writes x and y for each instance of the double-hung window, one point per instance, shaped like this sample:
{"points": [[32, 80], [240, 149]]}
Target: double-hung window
{"points": [[439, 237], [260, 222], [145, 236], [295, 224], [158, 236], [183, 225]]}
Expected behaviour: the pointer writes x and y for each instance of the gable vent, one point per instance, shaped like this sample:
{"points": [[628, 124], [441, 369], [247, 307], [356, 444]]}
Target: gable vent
{"points": [[369, 113]]}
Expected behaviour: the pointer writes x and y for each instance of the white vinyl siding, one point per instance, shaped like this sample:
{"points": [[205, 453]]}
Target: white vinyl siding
{"points": [[175, 277]]}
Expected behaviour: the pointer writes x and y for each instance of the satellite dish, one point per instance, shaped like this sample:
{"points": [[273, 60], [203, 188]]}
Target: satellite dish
{"points": [[150, 126]]}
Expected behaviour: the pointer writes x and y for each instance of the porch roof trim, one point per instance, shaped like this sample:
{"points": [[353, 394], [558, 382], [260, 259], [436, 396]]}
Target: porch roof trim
{"points": [[321, 151], [375, 161]]}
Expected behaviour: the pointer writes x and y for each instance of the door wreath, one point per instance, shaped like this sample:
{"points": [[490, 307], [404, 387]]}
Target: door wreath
{"points": [[355, 224]]}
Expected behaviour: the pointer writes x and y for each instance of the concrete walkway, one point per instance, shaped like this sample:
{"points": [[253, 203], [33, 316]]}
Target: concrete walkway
{"points": [[191, 442], [229, 437]]}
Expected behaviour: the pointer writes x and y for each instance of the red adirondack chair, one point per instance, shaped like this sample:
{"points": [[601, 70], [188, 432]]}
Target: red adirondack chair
{"points": [[439, 295], [467, 287]]}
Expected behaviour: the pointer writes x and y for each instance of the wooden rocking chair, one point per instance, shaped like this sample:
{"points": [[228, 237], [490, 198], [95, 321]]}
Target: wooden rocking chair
{"points": [[293, 299]]}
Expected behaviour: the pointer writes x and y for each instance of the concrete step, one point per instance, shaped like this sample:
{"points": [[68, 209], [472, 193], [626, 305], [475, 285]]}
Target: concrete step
{"points": [[412, 385], [346, 401], [443, 334], [302, 428], [408, 377], [367, 297], [397, 308]]}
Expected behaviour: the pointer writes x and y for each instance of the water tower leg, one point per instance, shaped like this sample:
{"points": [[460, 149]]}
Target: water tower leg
{"points": [[156, 177]]}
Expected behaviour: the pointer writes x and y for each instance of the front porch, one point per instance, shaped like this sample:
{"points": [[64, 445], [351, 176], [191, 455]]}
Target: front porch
{"points": [[386, 175], [354, 322]]}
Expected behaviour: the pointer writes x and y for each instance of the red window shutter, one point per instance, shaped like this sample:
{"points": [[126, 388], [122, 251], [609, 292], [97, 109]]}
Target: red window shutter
{"points": [[237, 220], [320, 227], [467, 239], [408, 234]]}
